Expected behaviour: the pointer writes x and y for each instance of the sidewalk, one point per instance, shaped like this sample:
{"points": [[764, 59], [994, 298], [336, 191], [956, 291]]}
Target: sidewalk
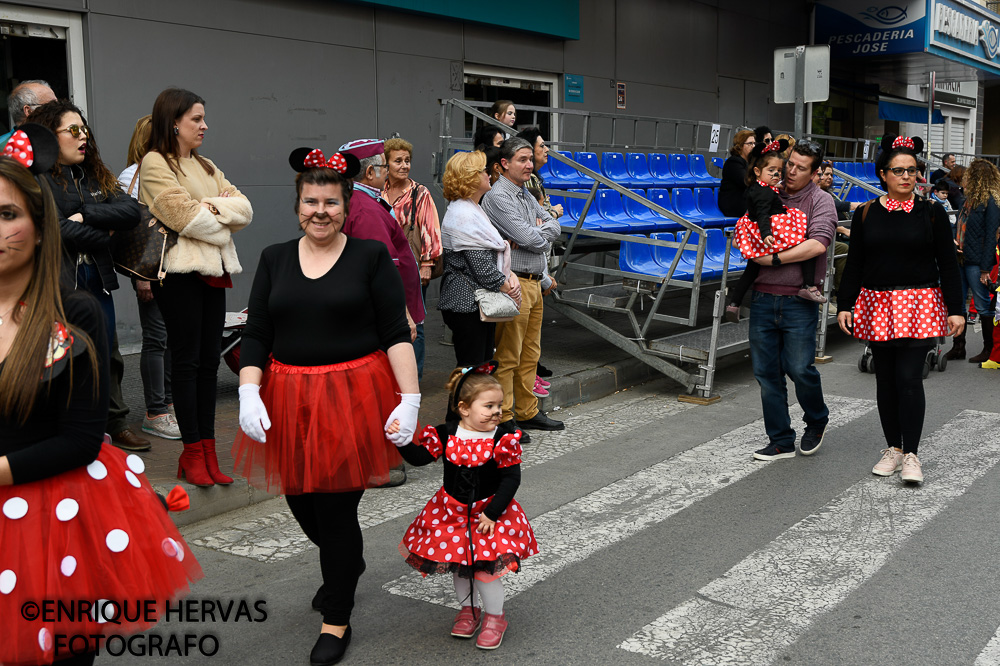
{"points": [[585, 366]]}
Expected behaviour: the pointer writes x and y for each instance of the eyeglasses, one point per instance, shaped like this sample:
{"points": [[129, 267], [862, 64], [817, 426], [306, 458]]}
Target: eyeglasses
{"points": [[750, 143], [76, 130], [899, 171]]}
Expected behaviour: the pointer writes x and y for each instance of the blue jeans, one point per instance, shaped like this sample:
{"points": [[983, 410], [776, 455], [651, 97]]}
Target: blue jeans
{"points": [[88, 278], [783, 342], [980, 293], [418, 351]]}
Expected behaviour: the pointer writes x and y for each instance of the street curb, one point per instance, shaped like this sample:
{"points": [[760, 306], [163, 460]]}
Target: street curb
{"points": [[594, 383], [214, 500]]}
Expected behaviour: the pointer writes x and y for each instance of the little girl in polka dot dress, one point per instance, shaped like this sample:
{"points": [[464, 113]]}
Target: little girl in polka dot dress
{"points": [[472, 527]]}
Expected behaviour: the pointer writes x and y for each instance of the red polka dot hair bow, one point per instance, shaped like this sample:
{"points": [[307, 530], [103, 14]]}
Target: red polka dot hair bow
{"points": [[316, 159], [892, 204], [903, 142], [19, 148], [774, 146]]}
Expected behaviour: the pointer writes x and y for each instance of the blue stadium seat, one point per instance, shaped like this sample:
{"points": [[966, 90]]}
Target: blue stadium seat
{"points": [[659, 168], [558, 199], [839, 166], [665, 255], [562, 176], [613, 166], [594, 219], [707, 199], [715, 249], [638, 168], [709, 269], [718, 161], [871, 173], [637, 211], [679, 168], [609, 204], [638, 258], [661, 197], [696, 164], [686, 207], [590, 161]]}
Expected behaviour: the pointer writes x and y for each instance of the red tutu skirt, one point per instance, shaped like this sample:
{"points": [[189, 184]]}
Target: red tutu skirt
{"points": [[880, 316], [437, 541], [96, 533], [327, 428], [788, 228]]}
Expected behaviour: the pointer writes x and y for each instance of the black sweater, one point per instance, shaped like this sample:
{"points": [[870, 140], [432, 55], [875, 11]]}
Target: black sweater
{"points": [[470, 484], [75, 193], [898, 250], [761, 203], [66, 425], [732, 187], [356, 308]]}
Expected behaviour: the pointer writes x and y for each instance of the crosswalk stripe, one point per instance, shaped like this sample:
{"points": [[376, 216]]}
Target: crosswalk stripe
{"points": [[616, 512], [768, 600], [990, 656], [277, 536]]}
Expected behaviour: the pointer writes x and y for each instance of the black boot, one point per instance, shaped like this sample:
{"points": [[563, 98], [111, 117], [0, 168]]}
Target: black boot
{"points": [[957, 351], [987, 323]]}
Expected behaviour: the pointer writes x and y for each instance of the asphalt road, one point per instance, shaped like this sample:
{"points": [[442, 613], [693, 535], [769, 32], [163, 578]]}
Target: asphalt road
{"points": [[662, 542]]}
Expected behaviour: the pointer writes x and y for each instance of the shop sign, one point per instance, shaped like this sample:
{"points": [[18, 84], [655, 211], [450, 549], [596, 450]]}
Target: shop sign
{"points": [[855, 28], [966, 29]]}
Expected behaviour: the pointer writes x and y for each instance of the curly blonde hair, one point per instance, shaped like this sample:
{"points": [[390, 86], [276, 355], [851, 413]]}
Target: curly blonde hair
{"points": [[982, 181], [461, 175]]}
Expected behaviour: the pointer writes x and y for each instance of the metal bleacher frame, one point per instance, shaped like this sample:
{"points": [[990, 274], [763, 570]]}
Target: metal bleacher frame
{"points": [[689, 357]]}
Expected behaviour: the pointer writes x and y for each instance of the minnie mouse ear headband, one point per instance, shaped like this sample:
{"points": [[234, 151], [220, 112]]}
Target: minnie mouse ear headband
{"points": [[891, 141], [778, 145], [487, 368], [34, 147], [303, 159]]}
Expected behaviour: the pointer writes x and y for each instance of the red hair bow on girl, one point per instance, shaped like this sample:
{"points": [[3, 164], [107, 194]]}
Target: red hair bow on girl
{"points": [[903, 142], [773, 146], [19, 149], [316, 159]]}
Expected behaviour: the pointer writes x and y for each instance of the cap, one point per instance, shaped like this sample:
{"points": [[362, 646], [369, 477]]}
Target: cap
{"points": [[362, 148]]}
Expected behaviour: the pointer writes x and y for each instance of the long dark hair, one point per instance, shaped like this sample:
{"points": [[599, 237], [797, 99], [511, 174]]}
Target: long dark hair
{"points": [[50, 115], [170, 105], [42, 300]]}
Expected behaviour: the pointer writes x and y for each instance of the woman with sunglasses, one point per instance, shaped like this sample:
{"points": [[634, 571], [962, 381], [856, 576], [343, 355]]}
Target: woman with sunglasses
{"points": [[190, 195], [902, 282], [91, 204]]}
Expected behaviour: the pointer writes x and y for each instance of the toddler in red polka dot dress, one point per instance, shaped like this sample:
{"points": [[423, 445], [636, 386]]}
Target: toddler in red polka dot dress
{"points": [[472, 527]]}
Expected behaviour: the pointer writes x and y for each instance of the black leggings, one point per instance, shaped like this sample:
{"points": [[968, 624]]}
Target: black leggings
{"points": [[194, 314], [900, 393], [330, 520], [750, 273], [473, 338]]}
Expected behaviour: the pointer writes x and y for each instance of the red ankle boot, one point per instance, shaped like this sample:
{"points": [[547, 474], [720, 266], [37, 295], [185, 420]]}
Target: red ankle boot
{"points": [[192, 466], [212, 463]]}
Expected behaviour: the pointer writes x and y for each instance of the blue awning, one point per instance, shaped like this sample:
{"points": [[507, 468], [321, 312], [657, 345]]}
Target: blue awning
{"points": [[907, 113]]}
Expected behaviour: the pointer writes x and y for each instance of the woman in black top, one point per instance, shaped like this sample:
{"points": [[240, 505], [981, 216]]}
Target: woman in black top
{"points": [[902, 281], [734, 174], [79, 520], [91, 203], [325, 351]]}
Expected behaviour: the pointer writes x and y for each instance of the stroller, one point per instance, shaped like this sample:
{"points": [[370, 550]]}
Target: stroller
{"points": [[935, 359], [232, 335]]}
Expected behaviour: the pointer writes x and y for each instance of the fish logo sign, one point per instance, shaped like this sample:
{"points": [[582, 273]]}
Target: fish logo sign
{"points": [[889, 15], [989, 35]]}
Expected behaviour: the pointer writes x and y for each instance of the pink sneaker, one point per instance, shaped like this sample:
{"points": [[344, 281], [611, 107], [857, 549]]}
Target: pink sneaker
{"points": [[466, 622], [911, 469], [891, 462], [812, 294], [541, 382], [540, 391], [494, 627]]}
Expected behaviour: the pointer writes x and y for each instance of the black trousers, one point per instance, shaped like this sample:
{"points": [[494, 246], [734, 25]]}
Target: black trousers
{"points": [[330, 520], [194, 314], [473, 338], [900, 392]]}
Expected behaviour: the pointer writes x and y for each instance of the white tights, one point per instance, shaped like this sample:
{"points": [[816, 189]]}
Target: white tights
{"points": [[491, 593]]}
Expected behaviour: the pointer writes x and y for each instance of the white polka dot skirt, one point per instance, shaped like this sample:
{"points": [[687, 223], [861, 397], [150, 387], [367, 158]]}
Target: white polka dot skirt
{"points": [[789, 229], [96, 534], [880, 316], [438, 539]]}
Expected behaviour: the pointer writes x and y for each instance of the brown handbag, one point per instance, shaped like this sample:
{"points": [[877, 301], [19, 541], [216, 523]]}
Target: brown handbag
{"points": [[140, 252]]}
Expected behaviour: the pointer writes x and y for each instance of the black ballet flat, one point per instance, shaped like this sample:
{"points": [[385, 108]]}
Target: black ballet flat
{"points": [[329, 649]]}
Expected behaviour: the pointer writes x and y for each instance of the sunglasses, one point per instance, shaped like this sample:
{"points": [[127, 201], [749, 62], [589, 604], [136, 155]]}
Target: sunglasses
{"points": [[76, 130]]}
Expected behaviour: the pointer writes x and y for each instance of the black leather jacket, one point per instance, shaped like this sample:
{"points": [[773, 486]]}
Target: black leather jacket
{"points": [[75, 193]]}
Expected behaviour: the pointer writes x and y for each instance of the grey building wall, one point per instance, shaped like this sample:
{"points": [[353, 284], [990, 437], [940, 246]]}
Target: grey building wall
{"points": [[277, 75]]}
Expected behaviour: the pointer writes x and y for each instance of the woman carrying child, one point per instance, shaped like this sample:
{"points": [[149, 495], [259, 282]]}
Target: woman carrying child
{"points": [[769, 226], [472, 527]]}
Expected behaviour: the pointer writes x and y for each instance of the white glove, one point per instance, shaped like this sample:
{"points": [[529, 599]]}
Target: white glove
{"points": [[253, 414], [406, 414]]}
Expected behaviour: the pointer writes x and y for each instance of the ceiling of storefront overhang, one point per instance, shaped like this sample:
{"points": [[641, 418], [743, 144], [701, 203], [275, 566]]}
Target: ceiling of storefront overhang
{"points": [[909, 69]]}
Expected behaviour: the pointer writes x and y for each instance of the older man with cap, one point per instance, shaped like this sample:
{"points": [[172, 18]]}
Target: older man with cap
{"points": [[370, 216]]}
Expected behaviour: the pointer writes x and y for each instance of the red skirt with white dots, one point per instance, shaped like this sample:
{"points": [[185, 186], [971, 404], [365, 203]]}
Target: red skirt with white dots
{"points": [[94, 535], [880, 316], [789, 229], [438, 539]]}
